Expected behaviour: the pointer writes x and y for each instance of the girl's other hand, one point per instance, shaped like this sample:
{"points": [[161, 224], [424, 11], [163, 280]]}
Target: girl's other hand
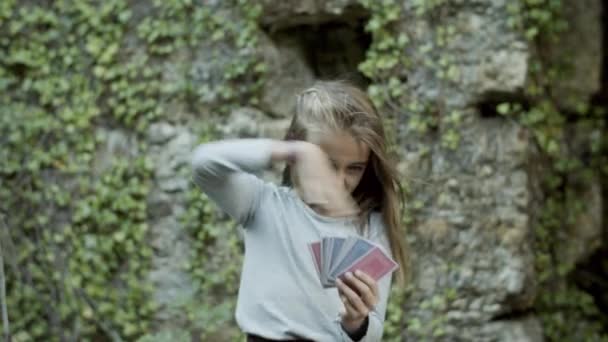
{"points": [[359, 293], [317, 183]]}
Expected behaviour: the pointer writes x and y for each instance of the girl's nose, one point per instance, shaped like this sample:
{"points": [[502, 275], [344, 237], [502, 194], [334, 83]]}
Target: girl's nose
{"points": [[343, 180]]}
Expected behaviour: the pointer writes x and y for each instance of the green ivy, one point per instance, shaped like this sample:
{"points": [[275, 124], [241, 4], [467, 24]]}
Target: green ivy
{"points": [[384, 60], [214, 265], [79, 233], [388, 63], [393, 324], [107, 244], [184, 24], [567, 312]]}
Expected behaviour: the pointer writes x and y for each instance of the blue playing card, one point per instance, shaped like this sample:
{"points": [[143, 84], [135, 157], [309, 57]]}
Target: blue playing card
{"points": [[337, 244], [358, 251]]}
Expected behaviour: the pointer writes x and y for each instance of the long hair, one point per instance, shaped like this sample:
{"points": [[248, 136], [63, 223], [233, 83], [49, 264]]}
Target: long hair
{"points": [[340, 106]]}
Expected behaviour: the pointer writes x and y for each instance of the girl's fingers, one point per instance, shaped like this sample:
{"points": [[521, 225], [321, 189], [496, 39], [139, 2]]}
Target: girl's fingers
{"points": [[369, 281], [352, 297], [351, 312], [365, 292]]}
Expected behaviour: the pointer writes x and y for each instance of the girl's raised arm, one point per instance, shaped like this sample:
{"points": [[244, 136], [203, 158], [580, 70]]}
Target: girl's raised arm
{"points": [[224, 171]]}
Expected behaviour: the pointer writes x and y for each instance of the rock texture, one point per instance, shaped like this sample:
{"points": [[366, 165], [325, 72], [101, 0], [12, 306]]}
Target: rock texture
{"points": [[170, 152], [579, 43], [281, 14]]}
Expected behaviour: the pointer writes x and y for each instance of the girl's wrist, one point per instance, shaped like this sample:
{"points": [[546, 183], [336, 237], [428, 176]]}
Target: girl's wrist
{"points": [[291, 153], [285, 151], [356, 329]]}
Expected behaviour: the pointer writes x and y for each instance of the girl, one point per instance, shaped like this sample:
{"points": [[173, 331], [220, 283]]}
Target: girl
{"points": [[337, 182]]}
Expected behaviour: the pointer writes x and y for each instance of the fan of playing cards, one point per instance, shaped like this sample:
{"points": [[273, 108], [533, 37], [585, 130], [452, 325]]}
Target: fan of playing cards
{"points": [[335, 256]]}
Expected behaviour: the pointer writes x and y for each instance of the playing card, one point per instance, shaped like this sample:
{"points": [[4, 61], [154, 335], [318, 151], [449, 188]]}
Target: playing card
{"points": [[348, 244], [334, 256], [325, 258], [375, 263], [315, 250], [359, 249], [336, 248]]}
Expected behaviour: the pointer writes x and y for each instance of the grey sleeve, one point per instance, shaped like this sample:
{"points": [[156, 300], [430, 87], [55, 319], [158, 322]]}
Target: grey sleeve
{"points": [[224, 171]]}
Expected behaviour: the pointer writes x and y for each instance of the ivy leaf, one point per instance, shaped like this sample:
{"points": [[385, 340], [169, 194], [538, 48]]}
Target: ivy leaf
{"points": [[531, 33], [503, 108]]}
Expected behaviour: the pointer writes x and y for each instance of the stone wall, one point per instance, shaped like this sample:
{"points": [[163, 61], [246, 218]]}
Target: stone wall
{"points": [[477, 202]]}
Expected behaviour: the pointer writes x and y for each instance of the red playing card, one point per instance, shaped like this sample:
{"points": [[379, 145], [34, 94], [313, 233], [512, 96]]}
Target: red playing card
{"points": [[315, 250], [375, 264]]}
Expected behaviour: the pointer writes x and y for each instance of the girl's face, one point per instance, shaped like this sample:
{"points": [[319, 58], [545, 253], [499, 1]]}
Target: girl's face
{"points": [[348, 156]]}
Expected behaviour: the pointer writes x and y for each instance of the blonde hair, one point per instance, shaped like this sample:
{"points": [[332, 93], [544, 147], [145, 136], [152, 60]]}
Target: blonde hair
{"points": [[337, 105]]}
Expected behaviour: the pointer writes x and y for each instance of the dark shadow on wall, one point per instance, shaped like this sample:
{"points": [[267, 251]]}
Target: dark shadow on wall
{"points": [[333, 49]]}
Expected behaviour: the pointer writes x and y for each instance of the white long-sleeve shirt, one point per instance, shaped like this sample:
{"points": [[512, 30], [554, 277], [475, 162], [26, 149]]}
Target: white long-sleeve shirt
{"points": [[280, 295]]}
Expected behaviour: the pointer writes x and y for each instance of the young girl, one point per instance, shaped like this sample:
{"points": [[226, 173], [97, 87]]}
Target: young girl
{"points": [[337, 182]]}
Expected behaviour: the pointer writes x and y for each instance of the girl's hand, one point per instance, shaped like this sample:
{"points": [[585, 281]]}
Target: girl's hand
{"points": [[317, 183], [359, 293]]}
